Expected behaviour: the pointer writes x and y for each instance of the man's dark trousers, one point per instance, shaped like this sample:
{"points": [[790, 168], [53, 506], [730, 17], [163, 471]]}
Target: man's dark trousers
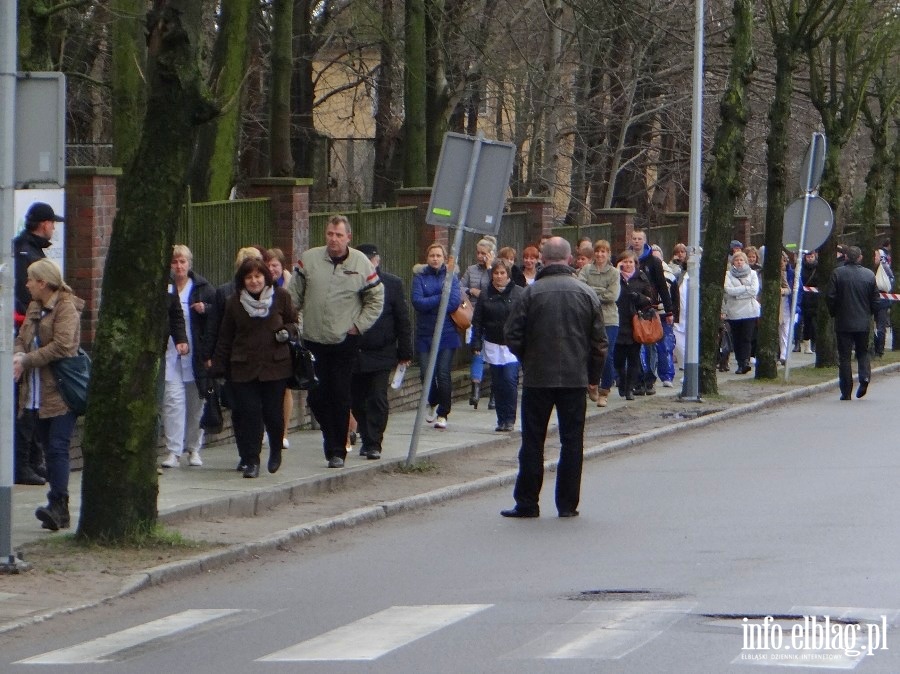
{"points": [[846, 341], [330, 400], [369, 397], [537, 404]]}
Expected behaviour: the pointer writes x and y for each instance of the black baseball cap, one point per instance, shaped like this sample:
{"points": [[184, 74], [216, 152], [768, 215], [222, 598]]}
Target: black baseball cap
{"points": [[368, 249], [39, 212]]}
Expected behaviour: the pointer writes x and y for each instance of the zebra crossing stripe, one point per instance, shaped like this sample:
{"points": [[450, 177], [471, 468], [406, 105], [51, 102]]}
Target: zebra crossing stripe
{"points": [[607, 632], [103, 648], [377, 634]]}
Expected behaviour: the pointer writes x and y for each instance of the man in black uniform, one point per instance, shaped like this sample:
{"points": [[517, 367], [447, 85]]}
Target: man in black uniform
{"points": [[387, 343]]}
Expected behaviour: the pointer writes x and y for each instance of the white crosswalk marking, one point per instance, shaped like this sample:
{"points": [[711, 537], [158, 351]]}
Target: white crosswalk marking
{"points": [[606, 632], [101, 649], [377, 634]]}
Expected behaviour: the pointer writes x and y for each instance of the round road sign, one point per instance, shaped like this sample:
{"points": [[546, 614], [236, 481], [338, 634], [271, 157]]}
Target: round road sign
{"points": [[819, 223]]}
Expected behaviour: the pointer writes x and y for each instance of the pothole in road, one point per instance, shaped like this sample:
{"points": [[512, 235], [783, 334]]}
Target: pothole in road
{"points": [[626, 595]]}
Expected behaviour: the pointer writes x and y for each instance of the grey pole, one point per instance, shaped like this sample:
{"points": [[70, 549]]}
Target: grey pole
{"points": [[8, 561], [798, 264], [445, 298], [691, 388]]}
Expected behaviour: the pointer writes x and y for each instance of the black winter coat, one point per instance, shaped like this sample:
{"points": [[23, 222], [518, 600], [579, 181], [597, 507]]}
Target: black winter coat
{"points": [[204, 327], [852, 297], [634, 293], [390, 338], [490, 315], [28, 247], [653, 270]]}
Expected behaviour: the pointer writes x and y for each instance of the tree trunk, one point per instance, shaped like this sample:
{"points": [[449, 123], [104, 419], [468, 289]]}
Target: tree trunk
{"points": [[215, 160], [722, 185], [415, 144], [437, 88], [303, 91], [776, 195], [281, 161], [385, 179], [128, 63], [119, 483]]}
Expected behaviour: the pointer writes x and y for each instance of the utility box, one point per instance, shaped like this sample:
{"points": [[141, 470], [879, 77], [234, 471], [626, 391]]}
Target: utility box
{"points": [[40, 128]]}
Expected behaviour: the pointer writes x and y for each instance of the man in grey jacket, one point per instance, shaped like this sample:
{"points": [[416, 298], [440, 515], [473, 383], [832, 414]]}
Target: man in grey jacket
{"points": [[852, 298], [556, 331], [341, 297]]}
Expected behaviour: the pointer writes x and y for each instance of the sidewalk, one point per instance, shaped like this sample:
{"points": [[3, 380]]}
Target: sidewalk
{"points": [[217, 490]]}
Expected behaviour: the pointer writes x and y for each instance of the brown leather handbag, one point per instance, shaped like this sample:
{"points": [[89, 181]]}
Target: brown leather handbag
{"points": [[646, 328], [462, 317]]}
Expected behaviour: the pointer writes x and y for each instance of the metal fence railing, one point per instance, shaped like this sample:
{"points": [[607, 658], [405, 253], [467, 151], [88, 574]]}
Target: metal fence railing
{"points": [[215, 230]]}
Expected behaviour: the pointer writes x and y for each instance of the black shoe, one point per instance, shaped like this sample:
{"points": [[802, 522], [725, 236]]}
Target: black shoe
{"points": [[492, 404], [863, 387], [27, 475], [242, 466], [649, 390], [373, 454], [568, 513], [629, 396], [476, 394], [335, 462], [743, 369], [353, 437], [55, 515], [363, 451], [274, 463], [845, 396], [515, 512], [252, 470]]}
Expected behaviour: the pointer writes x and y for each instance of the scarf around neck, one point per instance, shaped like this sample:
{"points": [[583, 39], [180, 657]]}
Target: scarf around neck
{"points": [[257, 308], [743, 272]]}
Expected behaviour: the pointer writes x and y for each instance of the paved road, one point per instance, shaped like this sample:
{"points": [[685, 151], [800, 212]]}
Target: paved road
{"points": [[789, 513]]}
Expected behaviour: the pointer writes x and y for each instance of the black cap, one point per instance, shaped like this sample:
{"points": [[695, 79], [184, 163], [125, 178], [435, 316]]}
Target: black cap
{"points": [[39, 212], [367, 249]]}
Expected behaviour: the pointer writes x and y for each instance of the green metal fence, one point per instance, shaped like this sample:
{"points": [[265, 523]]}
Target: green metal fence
{"points": [[572, 233], [215, 230]]}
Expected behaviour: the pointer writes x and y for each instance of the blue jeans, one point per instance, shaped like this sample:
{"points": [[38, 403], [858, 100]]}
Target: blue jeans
{"points": [[609, 368], [441, 392], [505, 386], [476, 369], [656, 359], [56, 435]]}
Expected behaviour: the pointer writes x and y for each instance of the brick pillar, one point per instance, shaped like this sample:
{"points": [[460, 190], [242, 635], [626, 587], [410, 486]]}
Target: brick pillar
{"points": [[741, 229], [425, 234], [90, 211], [622, 221], [290, 211], [682, 219], [540, 216]]}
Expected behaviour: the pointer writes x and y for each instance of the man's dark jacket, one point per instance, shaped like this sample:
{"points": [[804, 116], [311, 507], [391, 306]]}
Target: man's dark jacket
{"points": [[390, 338], [852, 297], [28, 247], [556, 331], [652, 267]]}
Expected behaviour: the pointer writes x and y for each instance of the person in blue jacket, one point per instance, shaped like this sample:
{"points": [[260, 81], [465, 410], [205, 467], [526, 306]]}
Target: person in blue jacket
{"points": [[427, 284]]}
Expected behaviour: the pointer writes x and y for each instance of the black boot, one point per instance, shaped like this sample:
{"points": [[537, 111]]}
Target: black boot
{"points": [[24, 473], [55, 515], [476, 394], [492, 404]]}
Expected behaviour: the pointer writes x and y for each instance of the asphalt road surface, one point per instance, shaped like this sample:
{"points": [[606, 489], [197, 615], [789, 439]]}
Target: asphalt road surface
{"points": [[684, 549]]}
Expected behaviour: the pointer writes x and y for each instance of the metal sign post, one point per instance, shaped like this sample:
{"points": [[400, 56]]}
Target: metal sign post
{"points": [[813, 165], [455, 203]]}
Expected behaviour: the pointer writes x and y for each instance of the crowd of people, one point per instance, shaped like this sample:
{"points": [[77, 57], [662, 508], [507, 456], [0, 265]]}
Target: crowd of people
{"points": [[236, 341]]}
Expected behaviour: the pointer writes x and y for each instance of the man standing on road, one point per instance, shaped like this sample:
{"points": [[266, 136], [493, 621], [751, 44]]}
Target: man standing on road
{"points": [[388, 342], [556, 331], [341, 297], [28, 247], [852, 298]]}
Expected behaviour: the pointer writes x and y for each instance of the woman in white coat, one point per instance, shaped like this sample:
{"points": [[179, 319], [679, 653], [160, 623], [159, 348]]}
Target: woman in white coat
{"points": [[741, 307]]}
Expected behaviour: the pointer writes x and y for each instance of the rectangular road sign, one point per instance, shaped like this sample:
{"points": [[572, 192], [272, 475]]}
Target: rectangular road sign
{"points": [[491, 180], [40, 130]]}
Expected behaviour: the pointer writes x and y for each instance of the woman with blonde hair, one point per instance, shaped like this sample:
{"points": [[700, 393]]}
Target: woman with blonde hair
{"points": [[604, 278], [741, 307], [474, 282], [427, 286], [51, 331]]}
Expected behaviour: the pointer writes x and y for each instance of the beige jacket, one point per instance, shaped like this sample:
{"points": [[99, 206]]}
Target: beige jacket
{"points": [[58, 327]]}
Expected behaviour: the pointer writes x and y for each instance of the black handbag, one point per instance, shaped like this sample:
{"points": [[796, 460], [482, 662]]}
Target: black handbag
{"points": [[211, 420], [72, 377], [303, 373]]}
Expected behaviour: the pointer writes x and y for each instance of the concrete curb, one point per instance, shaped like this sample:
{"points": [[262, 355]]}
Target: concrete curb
{"points": [[216, 559]]}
